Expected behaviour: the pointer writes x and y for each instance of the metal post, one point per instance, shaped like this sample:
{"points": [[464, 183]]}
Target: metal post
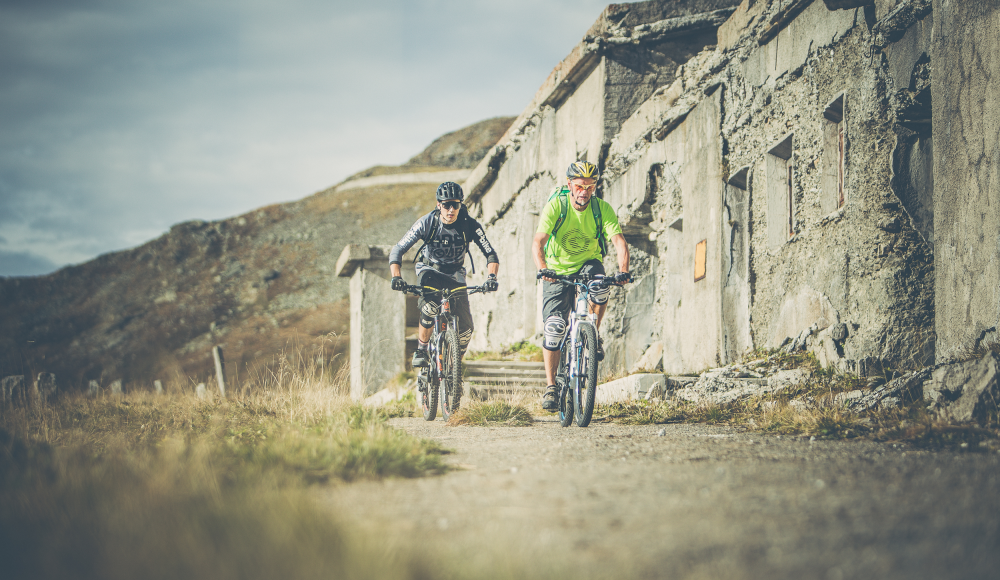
{"points": [[220, 370]]}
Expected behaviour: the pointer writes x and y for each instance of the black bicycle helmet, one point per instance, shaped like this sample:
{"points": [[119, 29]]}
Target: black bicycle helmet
{"points": [[583, 169], [450, 190]]}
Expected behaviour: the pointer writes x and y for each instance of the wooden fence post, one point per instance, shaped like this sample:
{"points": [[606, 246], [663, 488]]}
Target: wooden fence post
{"points": [[220, 369]]}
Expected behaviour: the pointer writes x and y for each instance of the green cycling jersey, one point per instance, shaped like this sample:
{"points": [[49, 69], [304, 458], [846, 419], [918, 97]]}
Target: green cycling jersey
{"points": [[576, 240]]}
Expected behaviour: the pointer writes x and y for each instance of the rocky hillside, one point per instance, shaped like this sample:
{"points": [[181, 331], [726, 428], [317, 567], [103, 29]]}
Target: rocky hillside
{"points": [[260, 284]]}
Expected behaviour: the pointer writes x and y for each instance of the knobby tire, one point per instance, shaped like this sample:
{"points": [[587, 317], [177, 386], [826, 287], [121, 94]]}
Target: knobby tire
{"points": [[451, 379], [588, 378], [428, 398], [565, 398]]}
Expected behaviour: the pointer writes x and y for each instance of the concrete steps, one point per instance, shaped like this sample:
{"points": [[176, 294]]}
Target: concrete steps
{"points": [[485, 378]]}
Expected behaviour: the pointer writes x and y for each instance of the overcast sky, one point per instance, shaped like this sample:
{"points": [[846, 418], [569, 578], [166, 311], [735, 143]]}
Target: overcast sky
{"points": [[119, 118]]}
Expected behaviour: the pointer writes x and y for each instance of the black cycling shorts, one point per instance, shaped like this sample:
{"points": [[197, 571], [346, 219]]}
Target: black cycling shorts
{"points": [[430, 307]]}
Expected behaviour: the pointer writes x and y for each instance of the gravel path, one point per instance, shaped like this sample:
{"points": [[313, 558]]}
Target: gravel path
{"points": [[688, 501]]}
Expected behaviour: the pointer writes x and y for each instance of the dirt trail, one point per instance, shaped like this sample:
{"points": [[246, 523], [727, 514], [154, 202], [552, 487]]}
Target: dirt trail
{"points": [[693, 502]]}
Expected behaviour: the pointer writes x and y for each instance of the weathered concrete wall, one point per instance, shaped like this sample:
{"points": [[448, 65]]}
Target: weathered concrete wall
{"points": [[840, 266], [966, 119], [863, 264], [630, 52], [678, 177], [891, 166]]}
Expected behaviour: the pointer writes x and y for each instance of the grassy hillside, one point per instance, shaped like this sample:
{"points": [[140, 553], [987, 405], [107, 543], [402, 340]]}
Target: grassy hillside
{"points": [[258, 284]]}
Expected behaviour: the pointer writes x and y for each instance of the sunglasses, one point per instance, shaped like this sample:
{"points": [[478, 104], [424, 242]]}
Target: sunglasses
{"points": [[451, 204], [590, 187]]}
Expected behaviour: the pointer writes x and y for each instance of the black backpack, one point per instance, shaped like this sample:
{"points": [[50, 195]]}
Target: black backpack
{"points": [[463, 216]]}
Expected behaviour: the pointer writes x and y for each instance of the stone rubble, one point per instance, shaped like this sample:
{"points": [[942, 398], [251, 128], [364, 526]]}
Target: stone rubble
{"points": [[895, 393], [965, 392]]}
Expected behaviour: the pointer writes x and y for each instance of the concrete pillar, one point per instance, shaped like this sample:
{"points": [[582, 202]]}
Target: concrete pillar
{"points": [[93, 389], [378, 317], [158, 386], [116, 387], [200, 391], [45, 385], [12, 389]]}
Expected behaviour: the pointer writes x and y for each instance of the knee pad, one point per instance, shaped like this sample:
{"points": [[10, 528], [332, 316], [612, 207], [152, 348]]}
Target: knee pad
{"points": [[599, 295], [463, 339], [427, 313], [555, 330]]}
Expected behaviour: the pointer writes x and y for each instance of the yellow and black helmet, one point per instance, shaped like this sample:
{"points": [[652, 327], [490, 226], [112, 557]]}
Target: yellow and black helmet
{"points": [[583, 169]]}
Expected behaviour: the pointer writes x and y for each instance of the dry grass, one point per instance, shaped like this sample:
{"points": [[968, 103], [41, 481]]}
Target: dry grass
{"points": [[511, 409], [776, 415], [810, 411], [176, 486], [519, 351], [491, 413]]}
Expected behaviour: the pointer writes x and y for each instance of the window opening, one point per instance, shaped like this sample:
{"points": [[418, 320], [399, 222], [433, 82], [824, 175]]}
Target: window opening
{"points": [[834, 155], [791, 221], [780, 186], [840, 164]]}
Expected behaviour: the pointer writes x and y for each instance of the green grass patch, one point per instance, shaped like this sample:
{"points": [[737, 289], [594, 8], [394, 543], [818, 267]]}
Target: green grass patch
{"points": [[492, 413]]}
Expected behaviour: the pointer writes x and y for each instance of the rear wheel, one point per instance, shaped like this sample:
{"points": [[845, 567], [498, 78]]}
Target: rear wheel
{"points": [[451, 379], [428, 394], [587, 365]]}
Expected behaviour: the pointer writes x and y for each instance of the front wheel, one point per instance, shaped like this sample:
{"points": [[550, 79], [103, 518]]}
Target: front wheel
{"points": [[565, 397], [451, 379], [586, 363], [428, 394]]}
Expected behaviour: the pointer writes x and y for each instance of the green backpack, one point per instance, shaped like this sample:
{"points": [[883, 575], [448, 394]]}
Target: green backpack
{"points": [[562, 193]]}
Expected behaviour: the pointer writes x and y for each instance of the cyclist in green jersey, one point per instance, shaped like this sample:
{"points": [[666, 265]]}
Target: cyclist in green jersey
{"points": [[572, 238]]}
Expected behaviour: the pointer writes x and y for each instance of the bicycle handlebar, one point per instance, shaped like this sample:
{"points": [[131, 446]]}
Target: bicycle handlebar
{"points": [[603, 280], [417, 290]]}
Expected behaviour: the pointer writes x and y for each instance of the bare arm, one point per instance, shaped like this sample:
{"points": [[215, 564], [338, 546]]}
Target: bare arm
{"points": [[621, 248], [536, 249]]}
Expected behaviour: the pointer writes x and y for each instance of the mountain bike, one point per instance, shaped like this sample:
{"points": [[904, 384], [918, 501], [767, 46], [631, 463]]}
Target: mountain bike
{"points": [[442, 378], [576, 376]]}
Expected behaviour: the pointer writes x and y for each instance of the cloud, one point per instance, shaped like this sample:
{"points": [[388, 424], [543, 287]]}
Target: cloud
{"points": [[123, 117]]}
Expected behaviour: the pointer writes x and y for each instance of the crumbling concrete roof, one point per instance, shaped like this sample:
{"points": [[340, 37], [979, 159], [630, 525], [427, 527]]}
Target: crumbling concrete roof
{"points": [[619, 24]]}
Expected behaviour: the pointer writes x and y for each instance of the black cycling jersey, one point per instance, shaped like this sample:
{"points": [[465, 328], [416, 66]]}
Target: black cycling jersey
{"points": [[446, 244]]}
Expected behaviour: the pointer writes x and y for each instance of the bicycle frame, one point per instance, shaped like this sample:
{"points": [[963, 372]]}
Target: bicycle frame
{"points": [[443, 320], [572, 356], [580, 315]]}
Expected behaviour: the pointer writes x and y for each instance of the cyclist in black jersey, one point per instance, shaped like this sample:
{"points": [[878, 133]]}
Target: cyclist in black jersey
{"points": [[447, 233]]}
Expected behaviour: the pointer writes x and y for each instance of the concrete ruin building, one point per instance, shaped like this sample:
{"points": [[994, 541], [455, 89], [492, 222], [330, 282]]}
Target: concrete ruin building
{"points": [[781, 168]]}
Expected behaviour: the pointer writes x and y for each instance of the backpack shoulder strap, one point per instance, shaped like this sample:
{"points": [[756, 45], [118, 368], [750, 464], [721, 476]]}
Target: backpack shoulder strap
{"points": [[465, 218], [562, 195], [431, 232], [595, 206]]}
